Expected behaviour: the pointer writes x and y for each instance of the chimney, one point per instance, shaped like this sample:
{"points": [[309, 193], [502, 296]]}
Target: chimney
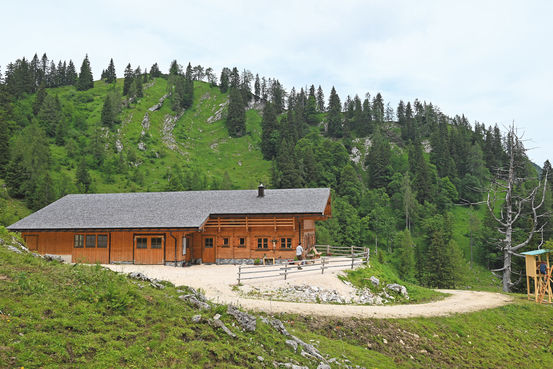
{"points": [[260, 190]]}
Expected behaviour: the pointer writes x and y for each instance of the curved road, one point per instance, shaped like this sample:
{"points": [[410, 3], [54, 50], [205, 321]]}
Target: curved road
{"points": [[216, 281]]}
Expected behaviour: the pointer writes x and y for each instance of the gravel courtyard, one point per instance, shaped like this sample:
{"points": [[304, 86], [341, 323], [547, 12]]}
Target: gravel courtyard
{"points": [[217, 282]]}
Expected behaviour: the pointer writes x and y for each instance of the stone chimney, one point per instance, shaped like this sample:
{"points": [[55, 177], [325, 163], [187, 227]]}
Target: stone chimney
{"points": [[260, 190]]}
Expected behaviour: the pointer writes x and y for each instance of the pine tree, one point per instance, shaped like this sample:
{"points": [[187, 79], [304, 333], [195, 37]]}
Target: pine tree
{"points": [[269, 133], [4, 145], [320, 100], [406, 257], [129, 77], [334, 116], [50, 115], [39, 98], [70, 74], [257, 88], [188, 97], [110, 75], [154, 71], [138, 83], [82, 177], [378, 162], [422, 182], [107, 113], [85, 80], [236, 118], [224, 84]]}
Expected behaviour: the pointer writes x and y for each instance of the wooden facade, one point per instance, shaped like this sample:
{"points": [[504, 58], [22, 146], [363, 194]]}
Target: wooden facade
{"points": [[222, 239]]}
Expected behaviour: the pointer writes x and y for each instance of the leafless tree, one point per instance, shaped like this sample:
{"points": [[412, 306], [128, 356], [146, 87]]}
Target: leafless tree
{"points": [[515, 206]]}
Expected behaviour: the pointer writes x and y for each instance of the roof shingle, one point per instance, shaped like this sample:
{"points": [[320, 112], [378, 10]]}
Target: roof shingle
{"points": [[188, 209]]}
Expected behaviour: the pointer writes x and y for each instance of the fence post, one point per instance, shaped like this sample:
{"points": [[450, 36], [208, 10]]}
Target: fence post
{"points": [[368, 254], [352, 259], [285, 269], [322, 265], [327, 250], [239, 271]]}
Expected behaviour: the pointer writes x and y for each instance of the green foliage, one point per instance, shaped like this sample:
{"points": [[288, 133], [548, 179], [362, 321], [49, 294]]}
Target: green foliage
{"points": [[406, 256], [85, 80], [236, 117]]}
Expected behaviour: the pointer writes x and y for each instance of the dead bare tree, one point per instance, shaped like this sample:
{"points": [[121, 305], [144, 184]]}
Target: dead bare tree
{"points": [[515, 206]]}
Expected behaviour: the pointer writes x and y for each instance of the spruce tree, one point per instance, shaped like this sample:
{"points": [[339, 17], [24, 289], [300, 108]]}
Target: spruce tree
{"points": [[129, 77], [224, 84], [138, 83], [334, 115], [257, 88], [269, 133], [82, 177], [236, 118], [70, 74], [188, 97], [50, 115], [378, 162], [110, 75], [406, 259], [154, 71], [39, 98], [107, 113], [320, 100], [85, 80], [4, 145]]}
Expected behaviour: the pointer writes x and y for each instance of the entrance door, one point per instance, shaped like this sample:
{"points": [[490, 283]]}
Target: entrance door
{"points": [[208, 249], [32, 242], [148, 248]]}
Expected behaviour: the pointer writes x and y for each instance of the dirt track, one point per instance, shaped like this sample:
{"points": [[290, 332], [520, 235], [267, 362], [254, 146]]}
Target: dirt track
{"points": [[217, 280]]}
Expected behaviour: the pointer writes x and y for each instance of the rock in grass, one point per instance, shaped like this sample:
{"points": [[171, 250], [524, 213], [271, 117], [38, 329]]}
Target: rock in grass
{"points": [[398, 288], [323, 366], [192, 300], [196, 318], [293, 344], [246, 321], [216, 322], [375, 281]]}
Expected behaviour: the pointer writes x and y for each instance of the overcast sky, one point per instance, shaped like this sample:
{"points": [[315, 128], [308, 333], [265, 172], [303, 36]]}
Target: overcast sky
{"points": [[491, 60]]}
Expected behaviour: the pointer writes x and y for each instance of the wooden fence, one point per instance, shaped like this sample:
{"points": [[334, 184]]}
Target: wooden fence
{"points": [[334, 257]]}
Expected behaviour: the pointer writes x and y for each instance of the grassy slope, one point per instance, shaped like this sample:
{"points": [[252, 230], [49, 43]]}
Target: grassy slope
{"points": [[201, 144], [54, 315]]}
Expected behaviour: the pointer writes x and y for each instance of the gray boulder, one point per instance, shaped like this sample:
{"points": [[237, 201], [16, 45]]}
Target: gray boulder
{"points": [[375, 281], [246, 321], [398, 288], [193, 300]]}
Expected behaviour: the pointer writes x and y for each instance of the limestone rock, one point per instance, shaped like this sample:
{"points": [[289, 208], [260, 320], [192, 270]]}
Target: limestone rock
{"points": [[196, 318], [192, 300], [375, 281], [245, 320], [216, 322], [398, 288]]}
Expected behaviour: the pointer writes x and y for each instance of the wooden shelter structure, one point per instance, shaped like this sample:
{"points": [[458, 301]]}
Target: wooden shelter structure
{"points": [[178, 227], [538, 269]]}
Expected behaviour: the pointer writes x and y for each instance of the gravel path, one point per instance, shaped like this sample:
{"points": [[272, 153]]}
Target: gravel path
{"points": [[217, 280]]}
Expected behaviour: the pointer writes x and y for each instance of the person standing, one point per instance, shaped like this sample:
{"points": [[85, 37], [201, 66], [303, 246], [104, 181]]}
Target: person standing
{"points": [[299, 255]]}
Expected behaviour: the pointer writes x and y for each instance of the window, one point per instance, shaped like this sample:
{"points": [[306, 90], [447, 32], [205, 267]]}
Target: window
{"points": [[90, 241], [155, 243], [262, 243], [141, 243], [79, 241], [285, 243], [102, 241], [208, 243], [184, 242], [242, 242], [225, 242]]}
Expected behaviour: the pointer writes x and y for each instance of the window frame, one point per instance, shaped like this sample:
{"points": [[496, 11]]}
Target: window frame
{"points": [[160, 242], [98, 241], [263, 241], [240, 243], [141, 238], [78, 244], [211, 239], [286, 243], [86, 243]]}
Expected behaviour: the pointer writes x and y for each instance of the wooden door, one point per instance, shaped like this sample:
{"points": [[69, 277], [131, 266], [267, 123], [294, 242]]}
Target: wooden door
{"points": [[149, 249], [32, 242], [208, 249]]}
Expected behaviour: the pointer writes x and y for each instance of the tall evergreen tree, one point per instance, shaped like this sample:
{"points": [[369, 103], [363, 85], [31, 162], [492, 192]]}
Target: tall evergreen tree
{"points": [[224, 80], [257, 88], [138, 83], [85, 80], [154, 71], [70, 74], [82, 177], [188, 97], [39, 98], [236, 118], [4, 145], [334, 115], [129, 77], [378, 162], [50, 115], [269, 133], [107, 113], [110, 75], [320, 99]]}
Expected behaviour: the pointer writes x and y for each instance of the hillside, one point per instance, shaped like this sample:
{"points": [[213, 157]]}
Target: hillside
{"points": [[411, 168], [62, 316]]}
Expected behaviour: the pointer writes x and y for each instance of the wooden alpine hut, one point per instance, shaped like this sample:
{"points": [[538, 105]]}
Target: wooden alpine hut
{"points": [[177, 227]]}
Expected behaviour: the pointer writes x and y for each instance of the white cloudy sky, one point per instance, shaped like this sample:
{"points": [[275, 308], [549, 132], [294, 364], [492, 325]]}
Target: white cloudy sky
{"points": [[490, 60]]}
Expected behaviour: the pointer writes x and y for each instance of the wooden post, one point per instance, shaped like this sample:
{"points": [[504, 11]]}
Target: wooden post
{"points": [[285, 269], [367, 254], [322, 265], [327, 250], [352, 257], [239, 271]]}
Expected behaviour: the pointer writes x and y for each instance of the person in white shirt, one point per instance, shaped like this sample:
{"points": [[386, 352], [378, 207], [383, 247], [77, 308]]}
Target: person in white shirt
{"points": [[299, 255]]}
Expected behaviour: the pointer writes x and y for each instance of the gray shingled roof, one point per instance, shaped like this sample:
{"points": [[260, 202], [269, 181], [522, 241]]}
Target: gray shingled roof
{"points": [[189, 209]]}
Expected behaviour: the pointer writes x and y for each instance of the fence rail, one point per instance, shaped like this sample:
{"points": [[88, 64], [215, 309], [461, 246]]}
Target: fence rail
{"points": [[345, 257]]}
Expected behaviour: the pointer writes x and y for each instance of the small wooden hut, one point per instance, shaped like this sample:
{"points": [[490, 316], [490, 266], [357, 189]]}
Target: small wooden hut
{"points": [[538, 269]]}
